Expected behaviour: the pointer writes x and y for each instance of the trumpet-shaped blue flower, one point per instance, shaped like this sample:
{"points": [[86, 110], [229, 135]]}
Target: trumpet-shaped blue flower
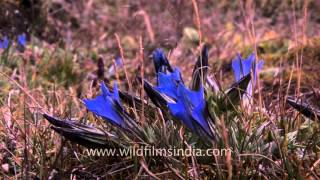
{"points": [[161, 62], [118, 61], [186, 105], [22, 39], [107, 105], [242, 67], [4, 44], [189, 108], [168, 83]]}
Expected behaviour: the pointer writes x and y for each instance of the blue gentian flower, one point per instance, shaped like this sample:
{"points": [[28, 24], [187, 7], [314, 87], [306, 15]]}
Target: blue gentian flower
{"points": [[189, 108], [21, 42], [107, 105], [118, 61], [242, 67], [168, 83], [186, 105], [4, 44], [161, 63], [22, 39]]}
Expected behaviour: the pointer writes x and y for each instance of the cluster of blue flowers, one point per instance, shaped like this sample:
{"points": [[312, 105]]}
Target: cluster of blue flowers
{"points": [[21, 41], [184, 104], [170, 94]]}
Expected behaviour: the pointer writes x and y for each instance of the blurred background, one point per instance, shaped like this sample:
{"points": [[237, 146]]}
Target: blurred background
{"points": [[89, 27]]}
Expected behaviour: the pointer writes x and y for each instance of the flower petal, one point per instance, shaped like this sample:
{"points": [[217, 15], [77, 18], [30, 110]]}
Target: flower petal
{"points": [[161, 62], [22, 39], [189, 108], [242, 67], [104, 106], [4, 44], [168, 83]]}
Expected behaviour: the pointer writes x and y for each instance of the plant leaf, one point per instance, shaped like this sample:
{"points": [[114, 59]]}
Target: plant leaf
{"points": [[234, 93], [200, 69], [79, 133], [304, 108]]}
